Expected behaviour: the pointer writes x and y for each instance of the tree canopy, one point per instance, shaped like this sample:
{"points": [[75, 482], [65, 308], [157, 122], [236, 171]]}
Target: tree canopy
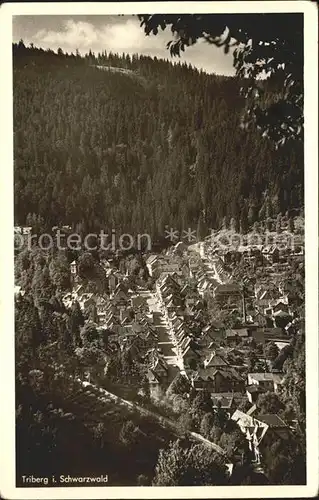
{"points": [[194, 466], [263, 45]]}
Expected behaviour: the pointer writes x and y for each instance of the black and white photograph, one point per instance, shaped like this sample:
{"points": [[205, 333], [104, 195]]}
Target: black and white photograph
{"points": [[163, 288]]}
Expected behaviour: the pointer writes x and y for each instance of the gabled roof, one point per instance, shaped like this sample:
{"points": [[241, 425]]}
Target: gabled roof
{"points": [[222, 400], [281, 313], [228, 288], [272, 420], [177, 323], [121, 286], [120, 292], [126, 320], [230, 373], [180, 334], [214, 325], [181, 338], [149, 333], [253, 389], [167, 279], [280, 300], [198, 304], [189, 349], [180, 326], [266, 377], [252, 410], [239, 332], [109, 306], [184, 343], [270, 331], [200, 274], [210, 373], [152, 376], [198, 314], [215, 360], [205, 374], [185, 288], [240, 415], [151, 259], [112, 320], [264, 294], [159, 362]]}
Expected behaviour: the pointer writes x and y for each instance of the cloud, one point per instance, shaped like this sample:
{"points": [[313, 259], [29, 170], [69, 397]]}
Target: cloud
{"points": [[126, 35], [118, 37]]}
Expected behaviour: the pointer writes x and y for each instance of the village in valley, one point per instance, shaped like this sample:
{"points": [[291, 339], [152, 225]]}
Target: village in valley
{"points": [[159, 251], [196, 319]]}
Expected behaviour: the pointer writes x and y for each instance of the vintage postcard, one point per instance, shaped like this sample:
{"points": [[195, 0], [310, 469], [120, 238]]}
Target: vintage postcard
{"points": [[159, 280]]}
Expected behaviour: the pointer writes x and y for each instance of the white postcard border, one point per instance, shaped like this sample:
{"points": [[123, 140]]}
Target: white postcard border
{"points": [[7, 375]]}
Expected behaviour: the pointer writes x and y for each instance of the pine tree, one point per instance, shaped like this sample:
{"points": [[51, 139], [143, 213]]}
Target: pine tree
{"points": [[195, 466], [243, 221], [291, 225], [251, 215], [201, 228], [76, 321], [234, 224]]}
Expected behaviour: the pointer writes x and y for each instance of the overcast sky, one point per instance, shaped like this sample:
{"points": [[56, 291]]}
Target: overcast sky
{"points": [[113, 33]]}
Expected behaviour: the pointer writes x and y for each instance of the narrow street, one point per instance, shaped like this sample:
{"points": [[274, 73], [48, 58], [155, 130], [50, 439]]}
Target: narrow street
{"points": [[162, 328]]}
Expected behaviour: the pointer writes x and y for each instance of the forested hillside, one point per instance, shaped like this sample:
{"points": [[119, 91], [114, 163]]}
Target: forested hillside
{"points": [[159, 145]]}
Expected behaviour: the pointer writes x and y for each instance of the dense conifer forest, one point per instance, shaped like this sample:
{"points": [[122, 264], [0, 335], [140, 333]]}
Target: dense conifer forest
{"points": [[143, 145]]}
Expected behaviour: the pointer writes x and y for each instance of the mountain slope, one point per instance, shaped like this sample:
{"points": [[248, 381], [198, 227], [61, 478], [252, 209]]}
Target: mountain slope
{"points": [[99, 149]]}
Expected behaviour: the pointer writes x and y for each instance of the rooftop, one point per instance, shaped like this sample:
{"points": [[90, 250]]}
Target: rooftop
{"points": [[272, 420], [266, 377], [240, 332], [229, 287]]}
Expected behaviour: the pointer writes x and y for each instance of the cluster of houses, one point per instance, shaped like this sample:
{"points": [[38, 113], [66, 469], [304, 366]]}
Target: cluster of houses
{"points": [[158, 264], [170, 328], [21, 235], [270, 244], [213, 356], [123, 313], [261, 430], [273, 306], [184, 281], [23, 230], [215, 359], [179, 335]]}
